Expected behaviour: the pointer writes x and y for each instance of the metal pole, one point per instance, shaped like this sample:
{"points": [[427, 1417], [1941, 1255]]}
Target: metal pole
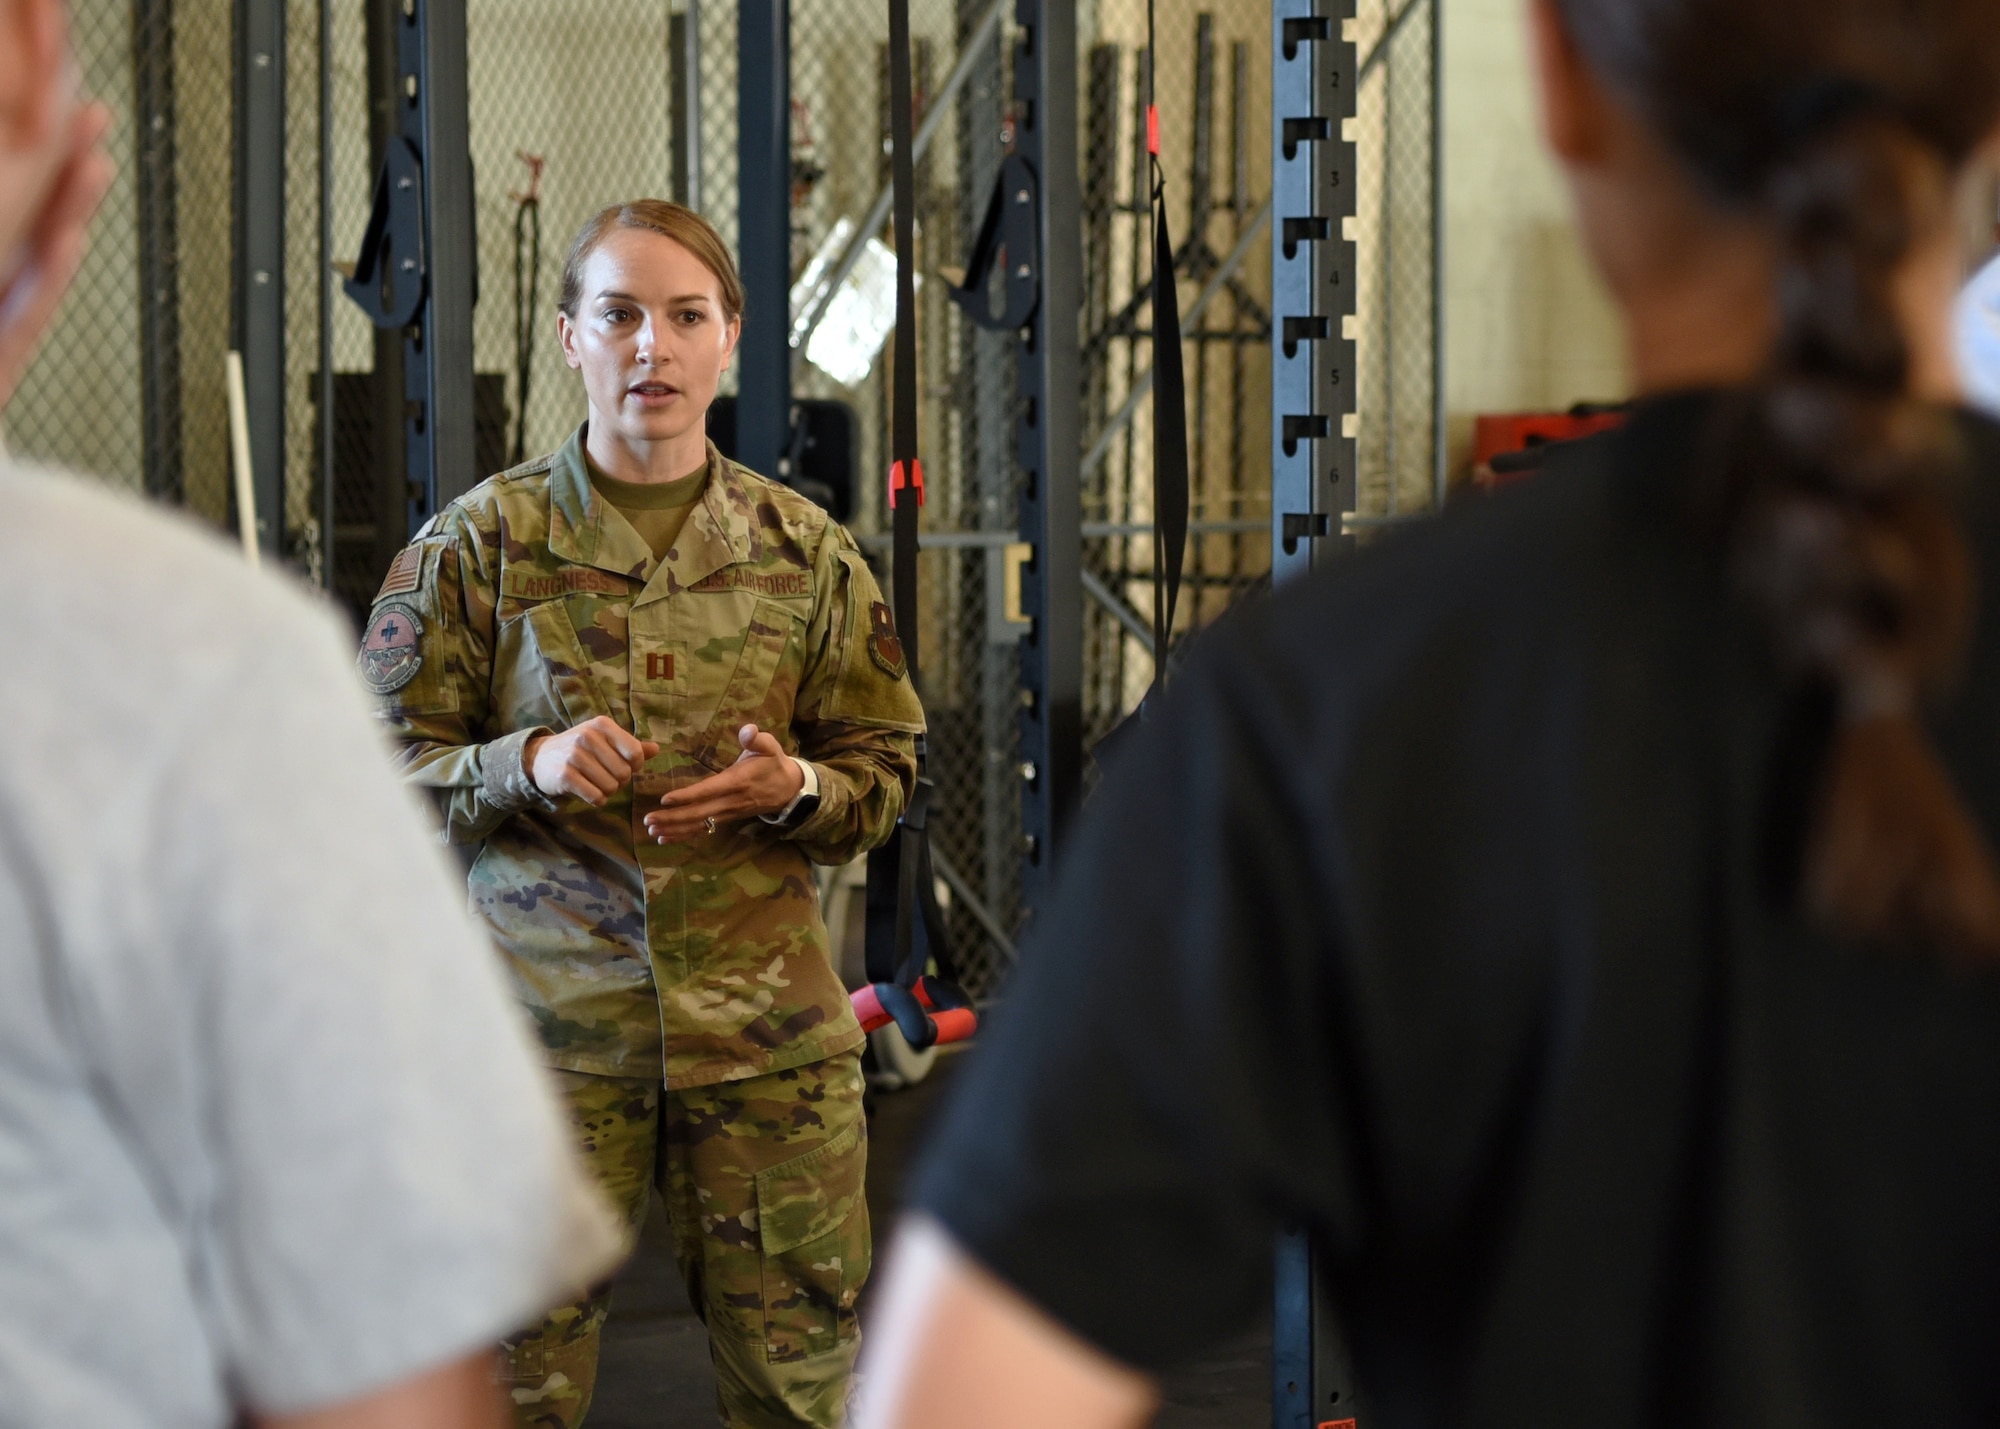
{"points": [[329, 543], [1117, 608], [257, 269], [1239, 205], [1385, 282], [764, 229], [159, 247], [1089, 530], [388, 406], [437, 370], [1439, 456], [1312, 1377], [981, 914], [1051, 507], [684, 57]]}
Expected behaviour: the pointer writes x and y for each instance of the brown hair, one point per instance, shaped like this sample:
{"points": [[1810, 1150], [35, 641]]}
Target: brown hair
{"points": [[1842, 124], [669, 220]]}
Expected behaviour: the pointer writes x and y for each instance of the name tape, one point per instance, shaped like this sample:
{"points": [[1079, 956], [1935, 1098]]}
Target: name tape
{"points": [[541, 585]]}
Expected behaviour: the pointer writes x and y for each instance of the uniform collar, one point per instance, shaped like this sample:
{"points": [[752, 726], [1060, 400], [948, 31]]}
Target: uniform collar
{"points": [[586, 529], [721, 531]]}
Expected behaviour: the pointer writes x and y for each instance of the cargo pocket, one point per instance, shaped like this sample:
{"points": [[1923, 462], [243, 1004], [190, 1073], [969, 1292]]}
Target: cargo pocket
{"points": [[812, 1218]]}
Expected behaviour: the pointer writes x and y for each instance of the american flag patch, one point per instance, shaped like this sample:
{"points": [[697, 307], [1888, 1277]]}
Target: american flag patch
{"points": [[404, 572]]}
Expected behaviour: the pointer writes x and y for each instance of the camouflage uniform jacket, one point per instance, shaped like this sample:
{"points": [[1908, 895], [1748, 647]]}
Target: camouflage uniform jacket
{"points": [[530, 605]]}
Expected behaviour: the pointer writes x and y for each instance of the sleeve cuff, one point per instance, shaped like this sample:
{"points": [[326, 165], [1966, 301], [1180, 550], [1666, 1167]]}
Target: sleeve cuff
{"points": [[508, 784]]}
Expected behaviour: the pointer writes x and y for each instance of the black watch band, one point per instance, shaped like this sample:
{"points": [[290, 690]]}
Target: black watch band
{"points": [[805, 808]]}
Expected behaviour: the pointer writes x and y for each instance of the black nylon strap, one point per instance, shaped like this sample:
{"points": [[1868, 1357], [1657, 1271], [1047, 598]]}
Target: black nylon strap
{"points": [[527, 302], [1012, 216], [1170, 442], [919, 931], [903, 391]]}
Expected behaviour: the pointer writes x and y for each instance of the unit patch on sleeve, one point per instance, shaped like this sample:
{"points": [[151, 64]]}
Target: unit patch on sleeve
{"points": [[404, 573], [883, 642], [390, 652]]}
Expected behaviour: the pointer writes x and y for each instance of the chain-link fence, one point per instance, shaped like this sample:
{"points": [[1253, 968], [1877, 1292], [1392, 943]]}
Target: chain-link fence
{"points": [[1213, 88], [613, 99], [570, 109], [130, 382], [965, 390], [1398, 381]]}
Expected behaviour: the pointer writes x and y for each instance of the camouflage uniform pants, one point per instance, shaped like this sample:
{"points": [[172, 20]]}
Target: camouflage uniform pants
{"points": [[764, 1181]]}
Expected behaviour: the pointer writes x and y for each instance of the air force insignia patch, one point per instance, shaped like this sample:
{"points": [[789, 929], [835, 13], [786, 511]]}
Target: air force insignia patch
{"points": [[391, 652], [883, 643]]}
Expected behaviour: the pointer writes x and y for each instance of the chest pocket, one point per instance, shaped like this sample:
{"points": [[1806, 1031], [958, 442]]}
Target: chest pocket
{"points": [[750, 672], [549, 678]]}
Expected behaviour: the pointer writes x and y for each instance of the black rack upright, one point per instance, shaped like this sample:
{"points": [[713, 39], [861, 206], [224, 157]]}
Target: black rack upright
{"points": [[416, 273], [1313, 78], [1048, 378], [764, 235], [257, 258]]}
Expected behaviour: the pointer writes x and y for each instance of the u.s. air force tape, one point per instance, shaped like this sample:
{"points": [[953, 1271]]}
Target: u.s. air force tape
{"points": [[391, 651]]}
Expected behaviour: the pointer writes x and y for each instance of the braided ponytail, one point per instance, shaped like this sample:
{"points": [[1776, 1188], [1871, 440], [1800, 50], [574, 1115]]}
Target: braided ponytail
{"points": [[1845, 540], [1842, 125]]}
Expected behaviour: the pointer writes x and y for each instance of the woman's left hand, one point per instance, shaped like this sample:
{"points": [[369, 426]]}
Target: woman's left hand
{"points": [[761, 781]]}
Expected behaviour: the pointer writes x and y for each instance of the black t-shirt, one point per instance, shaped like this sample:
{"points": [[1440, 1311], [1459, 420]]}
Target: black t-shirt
{"points": [[1442, 910]]}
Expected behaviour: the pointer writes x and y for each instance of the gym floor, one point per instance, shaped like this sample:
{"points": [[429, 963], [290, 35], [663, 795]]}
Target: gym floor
{"points": [[655, 1372]]}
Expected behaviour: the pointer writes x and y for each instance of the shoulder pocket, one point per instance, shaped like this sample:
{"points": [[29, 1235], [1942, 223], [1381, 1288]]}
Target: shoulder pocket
{"points": [[406, 648], [871, 682]]}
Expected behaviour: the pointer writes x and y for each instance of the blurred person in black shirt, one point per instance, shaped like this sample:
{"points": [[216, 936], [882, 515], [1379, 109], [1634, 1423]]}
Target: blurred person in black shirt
{"points": [[1579, 913]]}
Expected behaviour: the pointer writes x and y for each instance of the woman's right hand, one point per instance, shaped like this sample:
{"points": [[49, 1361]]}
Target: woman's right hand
{"points": [[592, 761]]}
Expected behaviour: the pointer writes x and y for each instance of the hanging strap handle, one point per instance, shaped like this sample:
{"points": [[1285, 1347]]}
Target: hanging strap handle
{"points": [[1010, 225], [389, 277], [928, 1010]]}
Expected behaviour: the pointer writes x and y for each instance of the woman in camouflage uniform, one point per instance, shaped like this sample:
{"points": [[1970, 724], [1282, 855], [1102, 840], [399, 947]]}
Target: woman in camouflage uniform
{"points": [[654, 688]]}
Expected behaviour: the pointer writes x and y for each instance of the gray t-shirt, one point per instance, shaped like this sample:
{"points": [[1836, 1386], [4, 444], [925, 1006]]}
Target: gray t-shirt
{"points": [[271, 1133]]}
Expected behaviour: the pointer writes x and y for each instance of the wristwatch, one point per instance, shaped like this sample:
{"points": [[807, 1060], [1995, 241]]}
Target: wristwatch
{"points": [[804, 804]]}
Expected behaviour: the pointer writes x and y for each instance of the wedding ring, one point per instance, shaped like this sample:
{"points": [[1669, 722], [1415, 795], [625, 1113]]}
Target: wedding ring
{"points": [[709, 823]]}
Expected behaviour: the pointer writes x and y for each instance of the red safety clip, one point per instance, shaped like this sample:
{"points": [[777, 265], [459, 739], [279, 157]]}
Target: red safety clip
{"points": [[897, 481], [1153, 130]]}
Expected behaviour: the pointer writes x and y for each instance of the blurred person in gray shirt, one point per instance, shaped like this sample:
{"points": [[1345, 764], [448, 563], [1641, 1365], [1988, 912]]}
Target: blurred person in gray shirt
{"points": [[273, 1147]]}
